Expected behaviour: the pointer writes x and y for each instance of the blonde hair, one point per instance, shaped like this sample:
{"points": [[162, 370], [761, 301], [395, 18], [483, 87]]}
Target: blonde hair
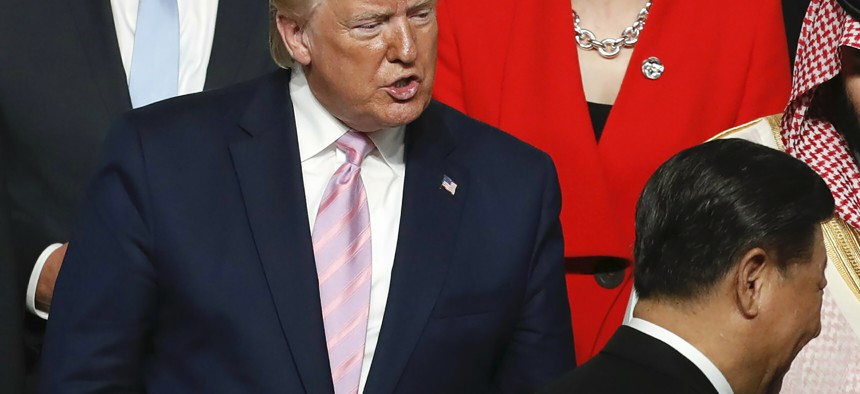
{"points": [[298, 9]]}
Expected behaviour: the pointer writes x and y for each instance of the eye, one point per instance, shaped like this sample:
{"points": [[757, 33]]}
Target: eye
{"points": [[422, 15], [367, 29], [370, 26]]}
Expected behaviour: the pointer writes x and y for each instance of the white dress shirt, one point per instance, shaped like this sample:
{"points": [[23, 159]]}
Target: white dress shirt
{"points": [[718, 380], [382, 173], [196, 34]]}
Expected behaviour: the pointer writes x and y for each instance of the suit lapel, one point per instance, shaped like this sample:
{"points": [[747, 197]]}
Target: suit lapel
{"points": [[428, 230], [234, 27], [269, 172], [97, 35]]}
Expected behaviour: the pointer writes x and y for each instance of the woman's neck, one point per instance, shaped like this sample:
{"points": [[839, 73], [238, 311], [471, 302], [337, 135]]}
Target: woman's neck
{"points": [[605, 10], [601, 77]]}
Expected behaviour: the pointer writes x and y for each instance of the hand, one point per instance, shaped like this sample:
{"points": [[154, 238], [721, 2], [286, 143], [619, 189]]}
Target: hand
{"points": [[48, 277]]}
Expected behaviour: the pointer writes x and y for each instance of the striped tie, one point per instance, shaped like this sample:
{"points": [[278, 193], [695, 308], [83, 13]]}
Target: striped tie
{"points": [[341, 239]]}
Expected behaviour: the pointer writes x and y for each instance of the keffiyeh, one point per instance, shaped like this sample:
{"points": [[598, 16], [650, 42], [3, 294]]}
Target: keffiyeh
{"points": [[830, 363], [805, 134]]}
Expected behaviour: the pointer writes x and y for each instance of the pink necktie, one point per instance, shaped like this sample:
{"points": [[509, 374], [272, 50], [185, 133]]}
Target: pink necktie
{"points": [[341, 239]]}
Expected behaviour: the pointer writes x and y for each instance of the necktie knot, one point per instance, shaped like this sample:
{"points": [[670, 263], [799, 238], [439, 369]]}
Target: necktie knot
{"points": [[356, 145]]}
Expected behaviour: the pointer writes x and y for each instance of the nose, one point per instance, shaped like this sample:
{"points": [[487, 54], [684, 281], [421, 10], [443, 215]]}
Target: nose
{"points": [[401, 43]]}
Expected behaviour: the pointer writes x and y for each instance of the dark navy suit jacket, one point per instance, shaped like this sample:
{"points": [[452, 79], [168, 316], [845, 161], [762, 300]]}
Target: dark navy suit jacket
{"points": [[193, 271]]}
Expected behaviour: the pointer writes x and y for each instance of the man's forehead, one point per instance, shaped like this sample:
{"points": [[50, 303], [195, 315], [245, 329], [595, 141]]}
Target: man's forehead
{"points": [[380, 6]]}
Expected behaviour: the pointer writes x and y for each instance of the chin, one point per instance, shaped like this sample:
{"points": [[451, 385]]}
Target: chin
{"points": [[403, 113], [775, 386]]}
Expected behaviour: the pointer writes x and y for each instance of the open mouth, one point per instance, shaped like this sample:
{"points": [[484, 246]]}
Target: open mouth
{"points": [[404, 88]]}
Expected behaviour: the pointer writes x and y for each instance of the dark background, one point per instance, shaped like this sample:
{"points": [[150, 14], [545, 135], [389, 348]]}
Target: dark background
{"points": [[792, 13]]}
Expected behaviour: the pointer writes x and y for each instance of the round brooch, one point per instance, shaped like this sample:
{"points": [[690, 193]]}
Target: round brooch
{"points": [[652, 68]]}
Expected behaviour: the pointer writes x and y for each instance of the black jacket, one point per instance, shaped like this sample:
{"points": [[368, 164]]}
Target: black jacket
{"points": [[61, 84], [633, 362]]}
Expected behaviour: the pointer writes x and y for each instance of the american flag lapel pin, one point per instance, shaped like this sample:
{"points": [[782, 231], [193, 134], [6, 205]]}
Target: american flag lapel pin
{"points": [[448, 185]]}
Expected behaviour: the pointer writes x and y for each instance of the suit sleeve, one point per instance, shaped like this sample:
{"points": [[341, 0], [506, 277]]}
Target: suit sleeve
{"points": [[541, 349], [768, 79], [105, 295], [448, 86]]}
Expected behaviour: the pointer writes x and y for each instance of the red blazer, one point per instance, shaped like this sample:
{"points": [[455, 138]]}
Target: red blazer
{"points": [[513, 64]]}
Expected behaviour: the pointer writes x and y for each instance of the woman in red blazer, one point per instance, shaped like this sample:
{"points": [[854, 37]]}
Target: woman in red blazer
{"points": [[513, 64]]}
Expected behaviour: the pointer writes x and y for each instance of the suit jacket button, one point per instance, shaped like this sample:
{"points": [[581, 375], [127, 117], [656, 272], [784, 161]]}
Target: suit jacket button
{"points": [[609, 272]]}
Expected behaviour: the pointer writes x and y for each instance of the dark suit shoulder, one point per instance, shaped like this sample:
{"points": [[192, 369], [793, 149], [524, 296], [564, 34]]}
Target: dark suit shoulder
{"points": [[483, 140], [608, 374], [205, 113], [473, 133], [213, 106], [633, 362]]}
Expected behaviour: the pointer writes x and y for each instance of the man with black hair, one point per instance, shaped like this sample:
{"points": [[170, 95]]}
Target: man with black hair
{"points": [[730, 273], [820, 127]]}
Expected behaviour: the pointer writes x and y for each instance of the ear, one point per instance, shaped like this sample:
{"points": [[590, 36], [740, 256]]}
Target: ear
{"points": [[293, 34], [752, 280]]}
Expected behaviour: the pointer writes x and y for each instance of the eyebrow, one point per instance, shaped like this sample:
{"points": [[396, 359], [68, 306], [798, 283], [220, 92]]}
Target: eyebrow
{"points": [[420, 4], [371, 16], [376, 15]]}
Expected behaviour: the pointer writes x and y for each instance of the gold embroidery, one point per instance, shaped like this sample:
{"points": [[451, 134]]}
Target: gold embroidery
{"points": [[843, 248], [729, 132], [774, 122]]}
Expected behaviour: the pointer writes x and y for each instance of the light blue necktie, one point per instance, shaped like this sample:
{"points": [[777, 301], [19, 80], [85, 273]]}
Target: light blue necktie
{"points": [[154, 72]]}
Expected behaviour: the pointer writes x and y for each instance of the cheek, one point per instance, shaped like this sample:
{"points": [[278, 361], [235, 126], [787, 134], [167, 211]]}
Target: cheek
{"points": [[852, 87], [851, 75], [427, 44], [814, 313], [359, 83]]}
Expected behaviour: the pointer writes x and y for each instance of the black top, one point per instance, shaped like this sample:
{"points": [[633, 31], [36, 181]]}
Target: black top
{"points": [[634, 362], [599, 113]]}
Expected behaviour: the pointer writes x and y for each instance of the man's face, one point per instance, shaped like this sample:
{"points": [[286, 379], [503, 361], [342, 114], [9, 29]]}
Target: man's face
{"points": [[371, 62], [795, 307], [851, 77]]}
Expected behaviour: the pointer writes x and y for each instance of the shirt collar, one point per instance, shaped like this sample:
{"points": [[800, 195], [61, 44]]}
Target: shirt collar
{"points": [[317, 129], [717, 379]]}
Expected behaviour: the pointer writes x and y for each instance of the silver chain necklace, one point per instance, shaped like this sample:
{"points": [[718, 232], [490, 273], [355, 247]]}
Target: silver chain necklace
{"points": [[609, 48]]}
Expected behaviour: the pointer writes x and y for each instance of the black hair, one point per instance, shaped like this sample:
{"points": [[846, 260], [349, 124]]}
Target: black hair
{"points": [[708, 205]]}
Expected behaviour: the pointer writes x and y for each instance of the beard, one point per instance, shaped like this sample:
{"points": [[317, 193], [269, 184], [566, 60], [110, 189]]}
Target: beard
{"points": [[832, 103], [849, 126]]}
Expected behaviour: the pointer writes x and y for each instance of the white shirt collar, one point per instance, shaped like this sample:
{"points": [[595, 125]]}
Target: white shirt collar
{"points": [[319, 129], [718, 380]]}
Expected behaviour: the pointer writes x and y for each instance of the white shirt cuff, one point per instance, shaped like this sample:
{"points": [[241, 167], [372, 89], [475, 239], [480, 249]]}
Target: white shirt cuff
{"points": [[34, 281]]}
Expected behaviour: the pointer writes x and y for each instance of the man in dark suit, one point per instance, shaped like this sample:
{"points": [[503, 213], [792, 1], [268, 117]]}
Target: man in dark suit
{"points": [[65, 67], [325, 229], [730, 273]]}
